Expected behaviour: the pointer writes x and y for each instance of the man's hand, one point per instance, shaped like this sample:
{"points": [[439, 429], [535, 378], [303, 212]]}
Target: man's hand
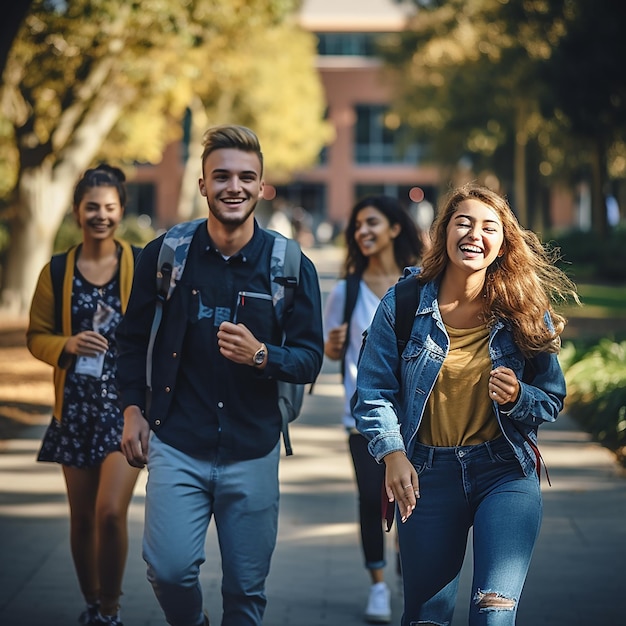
{"points": [[401, 483], [237, 343], [135, 437]]}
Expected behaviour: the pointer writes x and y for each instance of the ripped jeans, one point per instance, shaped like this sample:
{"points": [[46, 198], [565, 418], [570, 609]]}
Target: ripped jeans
{"points": [[481, 486]]}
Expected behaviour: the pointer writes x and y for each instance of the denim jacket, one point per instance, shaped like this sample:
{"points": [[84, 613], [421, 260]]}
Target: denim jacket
{"points": [[392, 389]]}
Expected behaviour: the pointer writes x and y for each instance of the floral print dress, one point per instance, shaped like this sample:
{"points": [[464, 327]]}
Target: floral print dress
{"points": [[91, 425]]}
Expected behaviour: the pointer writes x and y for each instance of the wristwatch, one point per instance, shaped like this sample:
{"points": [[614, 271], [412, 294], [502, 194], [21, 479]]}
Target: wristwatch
{"points": [[259, 355]]}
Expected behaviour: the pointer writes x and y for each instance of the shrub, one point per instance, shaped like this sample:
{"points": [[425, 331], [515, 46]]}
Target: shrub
{"points": [[586, 255], [596, 391]]}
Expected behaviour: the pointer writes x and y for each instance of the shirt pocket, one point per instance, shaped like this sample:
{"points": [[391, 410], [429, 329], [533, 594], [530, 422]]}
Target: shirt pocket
{"points": [[255, 311]]}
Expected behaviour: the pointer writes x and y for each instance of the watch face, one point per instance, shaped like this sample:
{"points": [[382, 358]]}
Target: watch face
{"points": [[259, 357]]}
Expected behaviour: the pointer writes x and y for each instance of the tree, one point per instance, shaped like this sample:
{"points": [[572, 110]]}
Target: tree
{"points": [[280, 101], [588, 88], [470, 90], [501, 82], [90, 79]]}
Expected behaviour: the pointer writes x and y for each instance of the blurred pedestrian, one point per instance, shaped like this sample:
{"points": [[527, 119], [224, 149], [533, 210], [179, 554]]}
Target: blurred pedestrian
{"points": [[78, 302], [454, 418], [280, 219], [381, 239]]}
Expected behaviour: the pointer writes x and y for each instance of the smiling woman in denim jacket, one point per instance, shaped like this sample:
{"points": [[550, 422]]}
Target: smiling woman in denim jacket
{"points": [[454, 418]]}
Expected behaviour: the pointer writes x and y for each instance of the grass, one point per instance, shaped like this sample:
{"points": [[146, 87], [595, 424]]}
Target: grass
{"points": [[599, 302]]}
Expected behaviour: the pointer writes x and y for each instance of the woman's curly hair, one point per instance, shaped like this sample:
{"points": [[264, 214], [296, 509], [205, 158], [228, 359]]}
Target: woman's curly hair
{"points": [[521, 286]]}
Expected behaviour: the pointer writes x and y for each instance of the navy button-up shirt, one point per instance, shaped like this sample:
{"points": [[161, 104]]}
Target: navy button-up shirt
{"points": [[202, 402]]}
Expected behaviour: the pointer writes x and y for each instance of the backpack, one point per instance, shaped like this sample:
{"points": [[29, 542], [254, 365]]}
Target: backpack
{"points": [[284, 278], [352, 293], [407, 300]]}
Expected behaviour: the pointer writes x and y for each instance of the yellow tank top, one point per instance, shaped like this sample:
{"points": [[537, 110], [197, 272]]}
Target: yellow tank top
{"points": [[459, 411]]}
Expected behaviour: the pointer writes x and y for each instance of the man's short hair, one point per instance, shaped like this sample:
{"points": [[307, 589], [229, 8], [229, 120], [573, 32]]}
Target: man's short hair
{"points": [[231, 136]]}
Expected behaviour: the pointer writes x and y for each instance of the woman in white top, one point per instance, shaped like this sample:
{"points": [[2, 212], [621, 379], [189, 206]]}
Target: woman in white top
{"points": [[381, 240]]}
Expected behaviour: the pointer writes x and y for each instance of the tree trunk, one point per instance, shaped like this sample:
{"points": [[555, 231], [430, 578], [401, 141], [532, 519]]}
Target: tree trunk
{"points": [[519, 166], [41, 204], [188, 205], [44, 194], [599, 221]]}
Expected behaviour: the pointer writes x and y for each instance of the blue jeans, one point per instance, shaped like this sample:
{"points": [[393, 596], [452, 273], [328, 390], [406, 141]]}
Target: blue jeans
{"points": [[481, 486], [182, 494]]}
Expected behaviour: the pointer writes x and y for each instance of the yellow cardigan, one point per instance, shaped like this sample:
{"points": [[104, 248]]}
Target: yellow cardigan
{"points": [[42, 340]]}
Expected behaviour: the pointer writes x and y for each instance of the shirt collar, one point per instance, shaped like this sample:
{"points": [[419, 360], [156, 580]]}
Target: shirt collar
{"points": [[250, 252]]}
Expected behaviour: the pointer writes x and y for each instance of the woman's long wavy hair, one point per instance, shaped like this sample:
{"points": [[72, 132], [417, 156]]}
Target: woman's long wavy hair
{"points": [[521, 286], [407, 246]]}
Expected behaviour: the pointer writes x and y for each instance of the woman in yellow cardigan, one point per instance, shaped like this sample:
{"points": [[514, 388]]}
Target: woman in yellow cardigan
{"points": [[79, 300]]}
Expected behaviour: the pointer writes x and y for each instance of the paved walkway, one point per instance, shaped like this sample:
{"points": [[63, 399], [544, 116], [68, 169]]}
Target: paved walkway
{"points": [[317, 577]]}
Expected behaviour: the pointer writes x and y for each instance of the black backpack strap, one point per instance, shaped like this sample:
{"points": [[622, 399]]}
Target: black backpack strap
{"points": [[57, 273], [407, 301], [353, 283], [407, 292]]}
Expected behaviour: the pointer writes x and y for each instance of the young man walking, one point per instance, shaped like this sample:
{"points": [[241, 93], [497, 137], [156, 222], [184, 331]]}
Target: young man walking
{"points": [[211, 436]]}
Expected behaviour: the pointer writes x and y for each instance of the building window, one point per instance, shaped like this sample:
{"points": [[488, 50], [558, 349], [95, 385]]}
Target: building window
{"points": [[310, 196], [348, 44], [401, 192], [381, 138]]}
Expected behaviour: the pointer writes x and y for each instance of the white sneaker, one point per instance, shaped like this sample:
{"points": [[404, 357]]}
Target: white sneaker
{"points": [[378, 609]]}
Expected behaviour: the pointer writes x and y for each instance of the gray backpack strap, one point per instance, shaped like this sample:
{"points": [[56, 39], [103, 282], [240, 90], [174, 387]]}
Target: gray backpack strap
{"points": [[284, 273], [284, 276], [174, 251], [170, 267]]}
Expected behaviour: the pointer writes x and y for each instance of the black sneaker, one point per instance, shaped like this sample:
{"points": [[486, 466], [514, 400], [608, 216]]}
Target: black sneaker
{"points": [[89, 616]]}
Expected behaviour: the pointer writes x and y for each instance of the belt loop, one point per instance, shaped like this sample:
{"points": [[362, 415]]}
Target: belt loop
{"points": [[431, 456]]}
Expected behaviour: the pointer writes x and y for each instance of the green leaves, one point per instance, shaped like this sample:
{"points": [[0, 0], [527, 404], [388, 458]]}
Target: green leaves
{"points": [[548, 74], [149, 59], [596, 388]]}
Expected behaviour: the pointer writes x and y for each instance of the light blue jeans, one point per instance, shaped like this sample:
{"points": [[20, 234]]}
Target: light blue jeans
{"points": [[182, 494], [481, 486]]}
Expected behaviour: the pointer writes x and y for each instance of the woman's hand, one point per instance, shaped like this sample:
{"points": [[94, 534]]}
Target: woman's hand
{"points": [[401, 483], [333, 348], [86, 343], [503, 386]]}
